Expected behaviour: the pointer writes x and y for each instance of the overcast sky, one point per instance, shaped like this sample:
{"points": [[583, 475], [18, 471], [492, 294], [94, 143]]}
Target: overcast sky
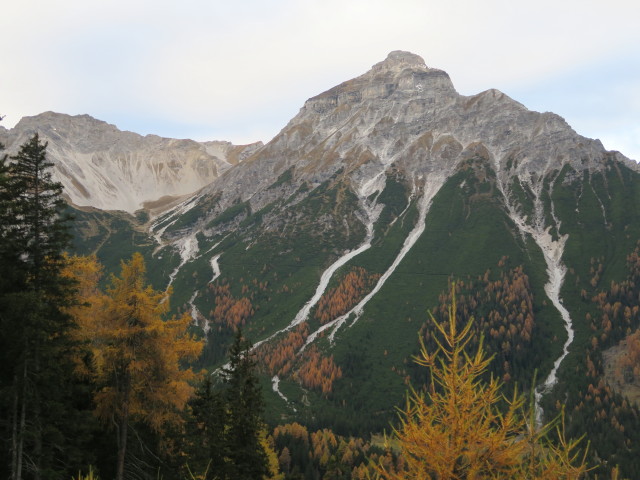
{"points": [[239, 70]]}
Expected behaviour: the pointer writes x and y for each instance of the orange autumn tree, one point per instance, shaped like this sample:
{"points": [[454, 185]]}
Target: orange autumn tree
{"points": [[460, 429], [136, 352], [85, 272]]}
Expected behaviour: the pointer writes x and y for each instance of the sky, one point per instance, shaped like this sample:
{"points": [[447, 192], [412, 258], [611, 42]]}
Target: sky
{"points": [[240, 70]]}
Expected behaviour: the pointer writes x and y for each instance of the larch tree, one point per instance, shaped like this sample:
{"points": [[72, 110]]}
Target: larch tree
{"points": [[137, 355], [464, 428]]}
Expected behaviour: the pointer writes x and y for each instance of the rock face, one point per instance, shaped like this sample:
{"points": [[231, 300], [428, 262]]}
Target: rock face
{"points": [[404, 113], [400, 112], [103, 167]]}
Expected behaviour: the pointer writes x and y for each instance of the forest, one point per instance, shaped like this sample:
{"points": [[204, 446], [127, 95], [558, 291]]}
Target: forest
{"points": [[98, 380]]}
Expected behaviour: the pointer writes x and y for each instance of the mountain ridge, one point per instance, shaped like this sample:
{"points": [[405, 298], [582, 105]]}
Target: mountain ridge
{"points": [[104, 167], [420, 99]]}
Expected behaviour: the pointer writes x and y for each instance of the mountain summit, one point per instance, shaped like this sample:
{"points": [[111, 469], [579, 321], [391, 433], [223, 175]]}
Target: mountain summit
{"points": [[399, 59], [405, 114]]}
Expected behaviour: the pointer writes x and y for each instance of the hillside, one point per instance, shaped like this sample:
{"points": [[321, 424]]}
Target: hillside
{"points": [[330, 244]]}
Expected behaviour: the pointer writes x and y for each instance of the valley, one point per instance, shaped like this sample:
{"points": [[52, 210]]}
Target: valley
{"points": [[333, 244]]}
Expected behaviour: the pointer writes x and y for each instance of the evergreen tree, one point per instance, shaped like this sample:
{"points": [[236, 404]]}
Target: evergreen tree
{"points": [[36, 375], [7, 268], [205, 433], [227, 434], [247, 458], [43, 227]]}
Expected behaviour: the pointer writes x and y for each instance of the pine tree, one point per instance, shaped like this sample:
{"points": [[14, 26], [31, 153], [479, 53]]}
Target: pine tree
{"points": [[461, 429], [247, 458]]}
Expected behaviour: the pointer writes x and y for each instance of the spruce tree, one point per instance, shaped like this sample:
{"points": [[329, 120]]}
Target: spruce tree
{"points": [[36, 373], [245, 405], [224, 437], [205, 432], [7, 348], [42, 225]]}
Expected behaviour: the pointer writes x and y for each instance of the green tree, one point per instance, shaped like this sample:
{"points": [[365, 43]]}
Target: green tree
{"points": [[464, 428], [37, 372], [245, 405], [227, 436], [43, 226], [205, 432]]}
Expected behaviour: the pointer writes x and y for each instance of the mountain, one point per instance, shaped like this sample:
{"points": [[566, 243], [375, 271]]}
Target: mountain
{"points": [[330, 244], [103, 167]]}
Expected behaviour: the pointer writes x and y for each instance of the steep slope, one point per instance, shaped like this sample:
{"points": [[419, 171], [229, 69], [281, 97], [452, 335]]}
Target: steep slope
{"points": [[103, 167], [329, 245]]}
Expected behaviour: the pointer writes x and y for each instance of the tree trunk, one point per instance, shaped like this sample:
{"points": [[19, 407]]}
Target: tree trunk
{"points": [[14, 429], [122, 449], [123, 424], [19, 426], [37, 419]]}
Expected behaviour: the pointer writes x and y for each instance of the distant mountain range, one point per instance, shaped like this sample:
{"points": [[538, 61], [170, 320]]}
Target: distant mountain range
{"points": [[103, 167], [329, 244]]}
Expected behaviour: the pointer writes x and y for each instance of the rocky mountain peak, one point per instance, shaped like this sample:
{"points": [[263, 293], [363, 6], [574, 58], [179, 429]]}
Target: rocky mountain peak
{"points": [[104, 167], [402, 114], [400, 76], [399, 60]]}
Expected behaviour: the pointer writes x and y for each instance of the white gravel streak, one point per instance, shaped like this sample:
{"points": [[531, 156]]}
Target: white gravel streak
{"points": [[552, 251], [372, 211], [432, 187], [275, 385], [188, 248], [215, 266]]}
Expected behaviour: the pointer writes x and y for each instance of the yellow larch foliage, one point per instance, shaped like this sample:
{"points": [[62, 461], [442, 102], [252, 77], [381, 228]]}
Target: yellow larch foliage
{"points": [[459, 430], [136, 353], [272, 457], [86, 271]]}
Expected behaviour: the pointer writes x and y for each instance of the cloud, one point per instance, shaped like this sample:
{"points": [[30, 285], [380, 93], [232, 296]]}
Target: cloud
{"points": [[234, 69]]}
